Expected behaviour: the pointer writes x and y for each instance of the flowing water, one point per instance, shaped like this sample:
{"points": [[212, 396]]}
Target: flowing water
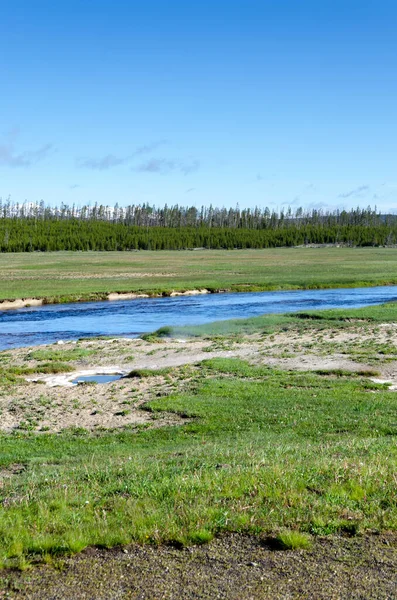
{"points": [[130, 318]]}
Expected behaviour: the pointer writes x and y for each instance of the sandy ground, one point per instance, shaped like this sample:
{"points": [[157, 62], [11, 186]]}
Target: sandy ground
{"points": [[51, 403], [26, 302], [20, 303]]}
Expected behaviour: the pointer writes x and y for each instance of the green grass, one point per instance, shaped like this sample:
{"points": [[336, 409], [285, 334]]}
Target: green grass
{"points": [[51, 367], [345, 373], [59, 355], [71, 276], [12, 375], [144, 373], [275, 323], [292, 540], [263, 451]]}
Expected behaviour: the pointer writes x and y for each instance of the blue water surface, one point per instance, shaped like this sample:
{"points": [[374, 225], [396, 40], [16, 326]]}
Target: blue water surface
{"points": [[130, 318]]}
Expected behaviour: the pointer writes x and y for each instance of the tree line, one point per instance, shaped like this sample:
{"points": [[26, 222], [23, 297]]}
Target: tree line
{"points": [[36, 227]]}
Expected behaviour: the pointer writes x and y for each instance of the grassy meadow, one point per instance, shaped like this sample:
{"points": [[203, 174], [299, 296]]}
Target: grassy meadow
{"points": [[261, 450], [63, 276]]}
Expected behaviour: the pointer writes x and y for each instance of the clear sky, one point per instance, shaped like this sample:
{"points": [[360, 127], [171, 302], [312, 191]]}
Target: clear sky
{"points": [[257, 102]]}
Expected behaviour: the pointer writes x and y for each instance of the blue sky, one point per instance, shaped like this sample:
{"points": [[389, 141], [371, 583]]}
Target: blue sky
{"points": [[256, 102]]}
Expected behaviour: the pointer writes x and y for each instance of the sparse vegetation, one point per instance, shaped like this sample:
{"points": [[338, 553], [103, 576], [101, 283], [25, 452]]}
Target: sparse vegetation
{"points": [[142, 373], [292, 540], [60, 355]]}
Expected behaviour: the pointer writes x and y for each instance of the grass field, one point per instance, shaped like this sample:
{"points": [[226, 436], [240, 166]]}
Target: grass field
{"points": [[262, 451], [72, 276]]}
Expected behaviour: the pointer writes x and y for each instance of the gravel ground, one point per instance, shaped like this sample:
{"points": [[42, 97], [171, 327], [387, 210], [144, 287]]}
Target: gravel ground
{"points": [[232, 566]]}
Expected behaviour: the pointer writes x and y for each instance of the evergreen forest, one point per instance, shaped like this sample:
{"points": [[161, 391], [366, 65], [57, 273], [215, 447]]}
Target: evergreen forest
{"points": [[35, 227]]}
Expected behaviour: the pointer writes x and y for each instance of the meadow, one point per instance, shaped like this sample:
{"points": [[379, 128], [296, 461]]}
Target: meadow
{"points": [[71, 276]]}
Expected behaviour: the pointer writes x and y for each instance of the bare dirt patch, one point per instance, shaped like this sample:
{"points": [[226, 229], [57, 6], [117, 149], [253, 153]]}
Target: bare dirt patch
{"points": [[126, 296], [233, 567], [20, 303], [9, 471], [37, 407]]}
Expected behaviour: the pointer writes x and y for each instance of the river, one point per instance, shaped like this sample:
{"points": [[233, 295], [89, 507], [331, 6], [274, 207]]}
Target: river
{"points": [[129, 318]]}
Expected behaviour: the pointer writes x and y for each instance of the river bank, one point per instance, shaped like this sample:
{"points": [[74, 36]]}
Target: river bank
{"points": [[18, 303], [126, 317], [60, 277], [114, 296], [347, 349]]}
